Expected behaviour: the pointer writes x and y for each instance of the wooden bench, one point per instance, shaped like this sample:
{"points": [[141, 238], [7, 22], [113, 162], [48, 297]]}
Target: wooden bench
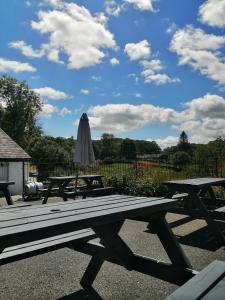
{"points": [[219, 213], [26, 250], [207, 284]]}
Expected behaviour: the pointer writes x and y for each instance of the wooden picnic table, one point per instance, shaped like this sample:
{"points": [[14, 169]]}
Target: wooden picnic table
{"points": [[57, 186], [4, 187], [195, 199], [22, 228]]}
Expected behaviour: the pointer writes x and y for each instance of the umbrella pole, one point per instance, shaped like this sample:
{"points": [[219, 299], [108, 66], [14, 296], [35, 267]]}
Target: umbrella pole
{"points": [[76, 180]]}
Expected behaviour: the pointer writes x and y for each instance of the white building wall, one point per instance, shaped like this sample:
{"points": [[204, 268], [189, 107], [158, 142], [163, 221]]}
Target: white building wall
{"points": [[16, 175]]}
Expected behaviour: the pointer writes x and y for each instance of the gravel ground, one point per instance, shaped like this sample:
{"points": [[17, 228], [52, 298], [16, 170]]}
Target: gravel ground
{"points": [[56, 275]]}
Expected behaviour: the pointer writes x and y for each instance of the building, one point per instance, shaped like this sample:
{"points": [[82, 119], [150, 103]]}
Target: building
{"points": [[14, 163]]}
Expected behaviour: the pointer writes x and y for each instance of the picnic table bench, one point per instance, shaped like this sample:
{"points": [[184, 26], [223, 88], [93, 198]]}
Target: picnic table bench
{"points": [[196, 204], [32, 230], [209, 284]]}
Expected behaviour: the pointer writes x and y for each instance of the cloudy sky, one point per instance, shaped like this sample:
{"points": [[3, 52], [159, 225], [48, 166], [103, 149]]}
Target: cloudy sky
{"points": [[143, 69]]}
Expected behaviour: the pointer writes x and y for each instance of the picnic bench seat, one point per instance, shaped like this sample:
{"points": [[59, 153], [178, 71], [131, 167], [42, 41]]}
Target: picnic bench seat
{"points": [[219, 213], [26, 250], [209, 284], [90, 192]]}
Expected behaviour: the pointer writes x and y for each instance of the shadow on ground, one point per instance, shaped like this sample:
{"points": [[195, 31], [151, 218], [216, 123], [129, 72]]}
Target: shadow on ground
{"points": [[82, 295], [200, 238]]}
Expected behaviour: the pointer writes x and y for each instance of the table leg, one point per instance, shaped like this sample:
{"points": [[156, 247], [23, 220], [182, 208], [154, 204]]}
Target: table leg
{"points": [[208, 218], [44, 201], [169, 242], [112, 241], [116, 251], [100, 182], [7, 195]]}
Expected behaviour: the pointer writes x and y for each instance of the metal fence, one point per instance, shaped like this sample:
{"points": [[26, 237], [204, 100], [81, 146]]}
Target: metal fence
{"points": [[199, 167]]}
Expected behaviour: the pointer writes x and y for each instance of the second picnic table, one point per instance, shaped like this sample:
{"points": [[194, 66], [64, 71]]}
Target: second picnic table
{"points": [[59, 184], [195, 190]]}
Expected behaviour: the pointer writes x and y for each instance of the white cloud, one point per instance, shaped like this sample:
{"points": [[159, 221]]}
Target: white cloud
{"points": [[15, 66], [64, 111], [200, 50], [139, 50], [202, 118], [96, 78], [53, 3], [48, 110], [114, 61], [166, 142], [112, 8], [138, 95], [212, 12], [172, 28], [151, 69], [123, 117], [141, 4], [50, 93], [84, 92], [71, 29], [26, 50]]}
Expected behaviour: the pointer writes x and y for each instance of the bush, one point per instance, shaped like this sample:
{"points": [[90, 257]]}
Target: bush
{"points": [[147, 187]]}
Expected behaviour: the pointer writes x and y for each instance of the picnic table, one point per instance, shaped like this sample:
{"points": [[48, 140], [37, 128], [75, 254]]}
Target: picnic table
{"points": [[4, 187], [33, 230], [195, 202], [59, 186]]}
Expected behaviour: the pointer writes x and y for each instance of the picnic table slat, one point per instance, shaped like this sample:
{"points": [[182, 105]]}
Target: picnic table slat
{"points": [[50, 214], [63, 208], [197, 182]]}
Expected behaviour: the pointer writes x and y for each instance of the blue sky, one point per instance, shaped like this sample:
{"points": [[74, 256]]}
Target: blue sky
{"points": [[141, 69]]}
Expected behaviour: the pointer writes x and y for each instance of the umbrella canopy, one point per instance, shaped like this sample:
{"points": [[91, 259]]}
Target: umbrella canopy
{"points": [[84, 154]]}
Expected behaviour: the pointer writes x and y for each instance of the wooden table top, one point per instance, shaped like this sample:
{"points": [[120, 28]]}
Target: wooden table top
{"points": [[61, 178], [196, 182], [27, 224]]}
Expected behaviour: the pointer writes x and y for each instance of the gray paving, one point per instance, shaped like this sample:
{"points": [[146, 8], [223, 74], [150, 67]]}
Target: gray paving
{"points": [[56, 275]]}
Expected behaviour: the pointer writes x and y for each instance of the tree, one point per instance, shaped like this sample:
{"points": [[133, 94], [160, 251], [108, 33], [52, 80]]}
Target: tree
{"points": [[20, 107], [183, 144], [107, 149], [128, 149], [181, 159]]}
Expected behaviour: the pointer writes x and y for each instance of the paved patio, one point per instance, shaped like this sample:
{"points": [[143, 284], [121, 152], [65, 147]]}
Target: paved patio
{"points": [[56, 275]]}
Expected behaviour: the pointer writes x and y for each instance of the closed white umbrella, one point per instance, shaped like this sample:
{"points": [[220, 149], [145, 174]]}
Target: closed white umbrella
{"points": [[84, 153]]}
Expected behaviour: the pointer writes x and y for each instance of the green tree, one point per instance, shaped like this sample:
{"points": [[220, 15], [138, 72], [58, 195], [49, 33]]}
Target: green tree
{"points": [[183, 144], [19, 111], [181, 159], [49, 155], [107, 149], [128, 149]]}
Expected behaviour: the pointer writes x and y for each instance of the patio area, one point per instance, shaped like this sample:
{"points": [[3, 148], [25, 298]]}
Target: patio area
{"points": [[57, 275]]}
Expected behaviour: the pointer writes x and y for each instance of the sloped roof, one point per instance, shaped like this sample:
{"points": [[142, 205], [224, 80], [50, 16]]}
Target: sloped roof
{"points": [[10, 150]]}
